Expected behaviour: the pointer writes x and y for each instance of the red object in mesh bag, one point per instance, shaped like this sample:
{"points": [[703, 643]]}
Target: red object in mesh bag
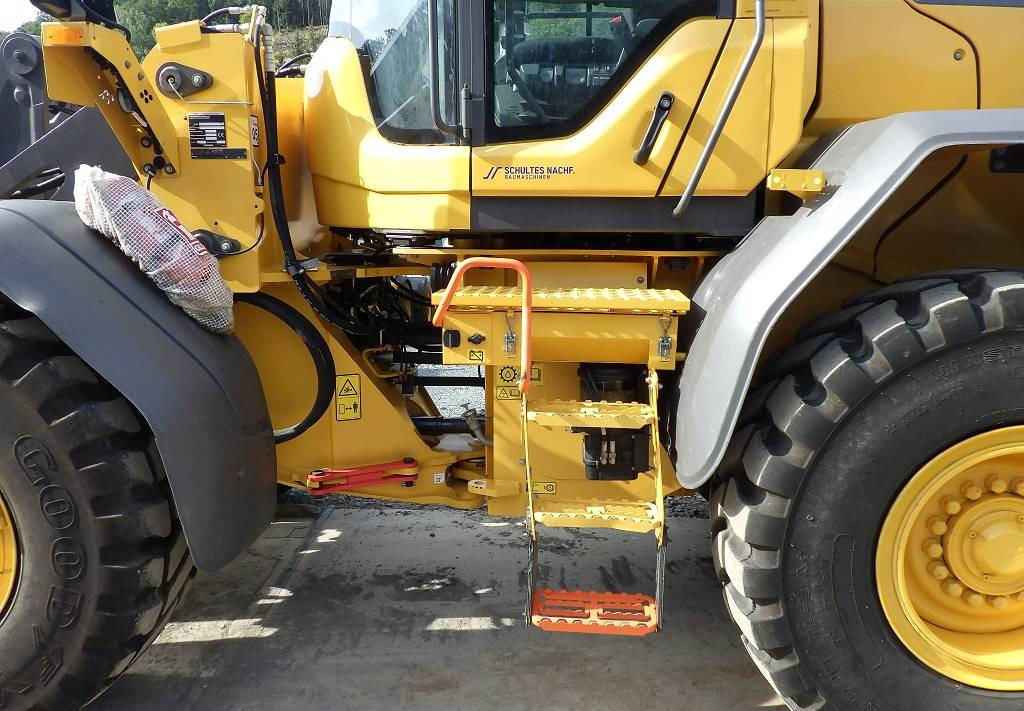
{"points": [[149, 233]]}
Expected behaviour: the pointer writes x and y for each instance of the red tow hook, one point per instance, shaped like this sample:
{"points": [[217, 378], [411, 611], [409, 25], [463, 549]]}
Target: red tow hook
{"points": [[359, 477]]}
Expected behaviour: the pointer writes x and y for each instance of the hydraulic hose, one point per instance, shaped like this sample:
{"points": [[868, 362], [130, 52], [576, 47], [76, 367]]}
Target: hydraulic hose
{"points": [[275, 191], [319, 352]]}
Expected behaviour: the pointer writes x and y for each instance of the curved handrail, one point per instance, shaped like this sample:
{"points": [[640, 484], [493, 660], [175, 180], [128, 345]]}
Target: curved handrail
{"points": [[730, 102], [526, 350]]}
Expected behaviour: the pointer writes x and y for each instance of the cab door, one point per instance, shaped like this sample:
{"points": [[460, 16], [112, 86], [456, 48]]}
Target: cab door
{"points": [[574, 93]]}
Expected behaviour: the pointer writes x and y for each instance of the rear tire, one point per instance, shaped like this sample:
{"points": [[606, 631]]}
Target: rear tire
{"points": [[102, 558], [845, 419]]}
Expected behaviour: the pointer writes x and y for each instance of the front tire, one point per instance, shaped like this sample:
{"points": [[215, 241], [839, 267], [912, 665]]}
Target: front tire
{"points": [[862, 403], [100, 557]]}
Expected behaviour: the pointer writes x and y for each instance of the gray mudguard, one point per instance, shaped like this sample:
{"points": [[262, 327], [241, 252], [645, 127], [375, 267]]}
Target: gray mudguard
{"points": [[199, 393], [744, 295]]}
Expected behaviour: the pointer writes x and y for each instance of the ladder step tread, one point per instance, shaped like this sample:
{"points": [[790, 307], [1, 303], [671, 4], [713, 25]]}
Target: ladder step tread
{"points": [[574, 413], [588, 300], [589, 612], [638, 516]]}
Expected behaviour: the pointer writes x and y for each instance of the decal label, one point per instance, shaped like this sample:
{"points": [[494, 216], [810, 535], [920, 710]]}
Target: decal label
{"points": [[528, 172], [207, 130], [348, 402]]}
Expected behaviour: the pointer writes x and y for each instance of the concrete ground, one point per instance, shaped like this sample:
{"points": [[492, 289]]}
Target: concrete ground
{"points": [[375, 607]]}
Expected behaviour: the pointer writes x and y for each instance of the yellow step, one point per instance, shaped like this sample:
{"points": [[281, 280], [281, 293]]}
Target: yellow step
{"points": [[633, 516], [572, 413], [589, 300]]}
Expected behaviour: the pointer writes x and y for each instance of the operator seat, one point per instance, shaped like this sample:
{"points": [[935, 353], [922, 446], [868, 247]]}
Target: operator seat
{"points": [[564, 72]]}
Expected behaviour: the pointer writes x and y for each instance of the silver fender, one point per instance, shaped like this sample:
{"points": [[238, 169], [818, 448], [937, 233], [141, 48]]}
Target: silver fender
{"points": [[745, 294]]}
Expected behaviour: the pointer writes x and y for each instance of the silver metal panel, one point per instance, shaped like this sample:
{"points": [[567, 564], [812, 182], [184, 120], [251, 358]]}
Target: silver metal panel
{"points": [[745, 294]]}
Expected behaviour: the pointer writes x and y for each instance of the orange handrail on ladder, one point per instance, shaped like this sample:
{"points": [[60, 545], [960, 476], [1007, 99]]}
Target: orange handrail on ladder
{"points": [[525, 351]]}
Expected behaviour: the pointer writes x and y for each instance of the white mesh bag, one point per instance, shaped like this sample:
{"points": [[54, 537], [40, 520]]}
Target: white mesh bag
{"points": [[149, 233]]}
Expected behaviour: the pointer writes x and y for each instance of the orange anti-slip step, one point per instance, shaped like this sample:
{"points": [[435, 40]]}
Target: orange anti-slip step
{"points": [[628, 614]]}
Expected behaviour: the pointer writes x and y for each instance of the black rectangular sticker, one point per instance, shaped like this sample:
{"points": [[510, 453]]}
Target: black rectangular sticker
{"points": [[222, 153]]}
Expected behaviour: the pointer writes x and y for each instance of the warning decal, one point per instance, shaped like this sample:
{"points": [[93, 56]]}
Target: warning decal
{"points": [[348, 402], [476, 356], [545, 487], [508, 388]]}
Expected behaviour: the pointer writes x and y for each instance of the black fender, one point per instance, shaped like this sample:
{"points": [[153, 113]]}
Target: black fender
{"points": [[199, 393]]}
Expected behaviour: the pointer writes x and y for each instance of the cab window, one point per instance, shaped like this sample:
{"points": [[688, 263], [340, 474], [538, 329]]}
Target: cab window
{"points": [[556, 63], [392, 40]]}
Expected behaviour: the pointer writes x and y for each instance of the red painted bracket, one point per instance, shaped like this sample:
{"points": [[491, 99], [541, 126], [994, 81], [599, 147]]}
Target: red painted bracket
{"points": [[359, 477]]}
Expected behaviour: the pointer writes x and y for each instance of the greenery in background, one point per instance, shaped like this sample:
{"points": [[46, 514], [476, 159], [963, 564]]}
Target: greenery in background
{"points": [[301, 25], [32, 26], [570, 26]]}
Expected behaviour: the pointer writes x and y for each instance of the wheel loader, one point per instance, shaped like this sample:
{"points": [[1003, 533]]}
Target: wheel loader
{"points": [[765, 251]]}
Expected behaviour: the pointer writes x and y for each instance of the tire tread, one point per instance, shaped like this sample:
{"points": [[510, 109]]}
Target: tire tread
{"points": [[144, 561], [838, 360]]}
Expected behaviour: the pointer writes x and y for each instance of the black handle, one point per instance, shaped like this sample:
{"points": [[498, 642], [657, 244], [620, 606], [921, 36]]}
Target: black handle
{"points": [[661, 112]]}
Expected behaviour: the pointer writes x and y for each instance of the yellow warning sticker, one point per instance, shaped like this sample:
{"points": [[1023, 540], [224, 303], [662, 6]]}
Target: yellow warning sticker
{"points": [[510, 374], [348, 402], [545, 487], [476, 356], [507, 392]]}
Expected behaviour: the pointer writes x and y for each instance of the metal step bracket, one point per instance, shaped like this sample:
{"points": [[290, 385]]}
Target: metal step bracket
{"points": [[628, 614]]}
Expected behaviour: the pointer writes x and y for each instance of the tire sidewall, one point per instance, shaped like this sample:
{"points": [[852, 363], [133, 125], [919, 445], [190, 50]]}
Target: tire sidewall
{"points": [[48, 617], [828, 564]]}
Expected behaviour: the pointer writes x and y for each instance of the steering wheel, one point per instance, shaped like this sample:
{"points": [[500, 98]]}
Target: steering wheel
{"points": [[524, 90]]}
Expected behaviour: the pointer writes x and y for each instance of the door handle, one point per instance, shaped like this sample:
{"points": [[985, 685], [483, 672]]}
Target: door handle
{"points": [[661, 112], [435, 76]]}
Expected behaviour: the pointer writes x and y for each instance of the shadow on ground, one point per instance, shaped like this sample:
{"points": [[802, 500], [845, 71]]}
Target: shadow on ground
{"points": [[382, 608]]}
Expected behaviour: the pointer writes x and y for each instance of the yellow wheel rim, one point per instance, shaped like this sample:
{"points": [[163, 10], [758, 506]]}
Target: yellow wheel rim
{"points": [[8, 557], [950, 562]]}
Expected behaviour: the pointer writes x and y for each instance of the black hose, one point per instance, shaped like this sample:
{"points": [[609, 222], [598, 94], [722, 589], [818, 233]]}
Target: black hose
{"points": [[39, 188], [275, 191], [93, 16], [288, 62], [215, 13], [319, 351]]}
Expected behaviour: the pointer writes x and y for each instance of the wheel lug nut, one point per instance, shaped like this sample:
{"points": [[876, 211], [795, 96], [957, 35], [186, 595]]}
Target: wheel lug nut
{"points": [[933, 548], [996, 484], [953, 588], [971, 491], [938, 570], [937, 526], [1017, 486], [951, 506], [998, 602], [974, 599]]}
